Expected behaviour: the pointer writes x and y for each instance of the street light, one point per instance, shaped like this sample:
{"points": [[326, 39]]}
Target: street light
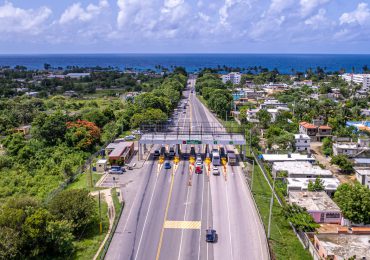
{"points": [[270, 214]]}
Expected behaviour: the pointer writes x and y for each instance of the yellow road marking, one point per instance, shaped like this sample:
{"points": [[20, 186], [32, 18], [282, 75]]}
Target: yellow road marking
{"points": [[165, 217], [182, 224]]}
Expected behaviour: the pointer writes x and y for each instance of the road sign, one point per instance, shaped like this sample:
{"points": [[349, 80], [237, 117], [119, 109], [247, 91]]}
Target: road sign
{"points": [[193, 142], [214, 142], [231, 142]]}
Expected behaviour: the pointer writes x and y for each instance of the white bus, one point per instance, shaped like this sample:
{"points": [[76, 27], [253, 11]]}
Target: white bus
{"points": [[216, 161]]}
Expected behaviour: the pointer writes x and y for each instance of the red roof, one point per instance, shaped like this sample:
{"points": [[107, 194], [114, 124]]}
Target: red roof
{"points": [[325, 127], [308, 125]]}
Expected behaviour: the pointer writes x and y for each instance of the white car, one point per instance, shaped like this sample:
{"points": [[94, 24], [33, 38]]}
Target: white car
{"points": [[129, 138], [215, 171]]}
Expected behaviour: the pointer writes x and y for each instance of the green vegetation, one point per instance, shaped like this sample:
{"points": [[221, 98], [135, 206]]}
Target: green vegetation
{"points": [[300, 218], [283, 241], [317, 185], [343, 162], [354, 202]]}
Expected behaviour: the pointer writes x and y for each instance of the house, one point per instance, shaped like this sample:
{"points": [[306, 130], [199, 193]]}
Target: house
{"points": [[302, 83], [362, 162], [271, 158], [32, 94], [70, 93], [77, 75], [299, 169], [301, 184], [358, 149], [252, 113], [365, 112], [120, 152], [318, 204], [101, 165], [233, 77], [25, 130], [316, 131], [342, 246], [302, 142], [363, 176], [272, 103], [361, 79]]}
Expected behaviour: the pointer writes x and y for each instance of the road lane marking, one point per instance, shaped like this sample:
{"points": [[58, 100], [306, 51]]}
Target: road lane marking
{"points": [[165, 217], [201, 215], [228, 220], [146, 217], [209, 185], [182, 231], [174, 224]]}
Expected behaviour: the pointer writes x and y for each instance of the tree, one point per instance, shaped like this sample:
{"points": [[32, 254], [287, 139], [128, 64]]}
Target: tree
{"points": [[300, 218], [50, 128], [354, 202], [264, 118], [343, 162], [75, 206], [327, 146], [148, 116], [82, 134], [317, 185]]}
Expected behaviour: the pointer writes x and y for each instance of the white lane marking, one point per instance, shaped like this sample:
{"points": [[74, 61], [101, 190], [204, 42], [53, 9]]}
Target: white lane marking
{"points": [[208, 211], [253, 212], [201, 216], [228, 220], [146, 217], [182, 231]]}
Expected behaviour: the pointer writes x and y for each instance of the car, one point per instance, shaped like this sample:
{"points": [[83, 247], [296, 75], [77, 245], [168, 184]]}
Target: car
{"points": [[184, 112], [215, 171], [129, 138], [211, 236], [167, 165], [198, 170], [116, 170], [199, 164], [156, 153]]}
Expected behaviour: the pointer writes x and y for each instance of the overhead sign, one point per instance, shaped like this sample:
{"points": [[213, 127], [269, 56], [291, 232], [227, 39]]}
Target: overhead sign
{"points": [[214, 142], [193, 142]]}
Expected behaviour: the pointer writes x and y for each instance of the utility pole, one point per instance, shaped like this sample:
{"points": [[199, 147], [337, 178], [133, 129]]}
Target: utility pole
{"points": [[252, 176], [270, 215], [91, 178]]}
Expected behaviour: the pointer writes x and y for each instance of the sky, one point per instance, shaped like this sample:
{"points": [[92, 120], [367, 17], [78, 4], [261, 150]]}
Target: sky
{"points": [[184, 26]]}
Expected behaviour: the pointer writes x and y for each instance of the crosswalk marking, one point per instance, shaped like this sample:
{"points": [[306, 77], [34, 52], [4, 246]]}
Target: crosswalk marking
{"points": [[182, 224]]}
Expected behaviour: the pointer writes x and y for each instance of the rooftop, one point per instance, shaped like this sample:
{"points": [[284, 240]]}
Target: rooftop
{"points": [[329, 183], [307, 125], [300, 167], [286, 157], [362, 160], [313, 201], [302, 136], [119, 148], [363, 171], [346, 246]]}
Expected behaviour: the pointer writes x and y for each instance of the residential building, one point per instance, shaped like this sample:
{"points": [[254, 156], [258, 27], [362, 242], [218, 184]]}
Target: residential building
{"points": [[318, 204], [301, 184], [362, 162], [359, 149], [365, 112], [299, 169], [234, 77], [303, 83], [272, 106], [77, 75], [271, 158], [25, 130], [363, 176], [302, 142], [316, 131], [32, 94], [272, 103], [362, 79], [342, 246]]}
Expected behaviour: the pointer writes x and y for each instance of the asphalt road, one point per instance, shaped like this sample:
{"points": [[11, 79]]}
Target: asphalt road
{"points": [[167, 215]]}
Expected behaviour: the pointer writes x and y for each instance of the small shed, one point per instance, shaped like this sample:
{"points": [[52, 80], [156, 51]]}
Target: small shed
{"points": [[101, 165]]}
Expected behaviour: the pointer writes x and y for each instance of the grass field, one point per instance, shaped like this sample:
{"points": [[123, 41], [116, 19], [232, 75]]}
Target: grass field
{"points": [[284, 243], [83, 182], [91, 239]]}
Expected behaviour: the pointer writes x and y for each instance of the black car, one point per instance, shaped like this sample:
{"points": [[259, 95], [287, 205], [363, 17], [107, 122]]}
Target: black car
{"points": [[211, 236], [156, 153]]}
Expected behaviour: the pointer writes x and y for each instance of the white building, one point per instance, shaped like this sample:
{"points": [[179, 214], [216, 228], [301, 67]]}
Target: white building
{"points": [[271, 158], [302, 142], [299, 169], [361, 148], [363, 176], [362, 79], [365, 112], [234, 77], [301, 184]]}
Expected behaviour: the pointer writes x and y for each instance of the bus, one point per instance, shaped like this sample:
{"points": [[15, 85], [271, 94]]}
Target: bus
{"points": [[231, 158], [216, 161]]}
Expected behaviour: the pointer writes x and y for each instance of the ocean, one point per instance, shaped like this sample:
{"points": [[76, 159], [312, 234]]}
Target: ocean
{"points": [[285, 63]]}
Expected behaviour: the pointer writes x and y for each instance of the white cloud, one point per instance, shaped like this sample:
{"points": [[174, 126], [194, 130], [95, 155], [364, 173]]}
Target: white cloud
{"points": [[204, 17], [77, 12], [224, 11], [309, 6], [277, 6], [318, 20], [360, 16], [13, 19]]}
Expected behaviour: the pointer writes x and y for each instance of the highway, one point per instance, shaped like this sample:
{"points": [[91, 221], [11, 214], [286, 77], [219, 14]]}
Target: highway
{"points": [[167, 215]]}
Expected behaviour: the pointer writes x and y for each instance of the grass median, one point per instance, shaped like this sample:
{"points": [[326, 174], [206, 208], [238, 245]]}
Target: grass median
{"points": [[283, 242]]}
